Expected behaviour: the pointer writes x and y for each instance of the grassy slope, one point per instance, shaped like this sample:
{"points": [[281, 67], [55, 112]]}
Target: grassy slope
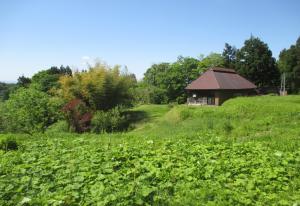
{"points": [[245, 152], [270, 118]]}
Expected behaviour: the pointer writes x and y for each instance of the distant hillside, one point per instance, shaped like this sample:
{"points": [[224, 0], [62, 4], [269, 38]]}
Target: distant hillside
{"points": [[5, 89]]}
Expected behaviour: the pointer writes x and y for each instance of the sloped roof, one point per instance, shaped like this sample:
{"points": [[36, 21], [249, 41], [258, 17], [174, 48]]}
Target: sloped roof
{"points": [[220, 78]]}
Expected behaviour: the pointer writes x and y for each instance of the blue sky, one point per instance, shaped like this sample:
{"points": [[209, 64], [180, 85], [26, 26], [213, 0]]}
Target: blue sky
{"points": [[35, 35]]}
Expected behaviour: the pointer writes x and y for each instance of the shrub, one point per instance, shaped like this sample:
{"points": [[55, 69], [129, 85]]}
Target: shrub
{"points": [[100, 122], [60, 126], [77, 115], [108, 121], [181, 99], [28, 111], [8, 144], [158, 96]]}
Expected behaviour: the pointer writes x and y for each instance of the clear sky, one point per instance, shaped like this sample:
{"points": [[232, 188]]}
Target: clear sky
{"points": [[36, 34]]}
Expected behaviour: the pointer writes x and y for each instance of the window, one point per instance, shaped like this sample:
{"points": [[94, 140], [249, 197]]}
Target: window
{"points": [[210, 100]]}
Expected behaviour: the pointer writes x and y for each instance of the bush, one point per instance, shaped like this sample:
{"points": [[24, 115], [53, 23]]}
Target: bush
{"points": [[108, 121], [60, 126], [28, 111], [8, 144], [181, 99], [77, 115], [158, 96]]}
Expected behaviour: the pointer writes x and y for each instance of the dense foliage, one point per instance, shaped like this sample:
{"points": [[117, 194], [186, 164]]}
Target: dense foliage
{"points": [[255, 62], [47, 80], [28, 111], [78, 171], [109, 121], [289, 64], [101, 87], [177, 155], [229, 55], [166, 82], [77, 115], [23, 81], [5, 90]]}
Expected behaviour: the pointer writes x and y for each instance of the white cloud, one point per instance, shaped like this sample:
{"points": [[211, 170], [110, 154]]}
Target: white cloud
{"points": [[86, 61], [85, 58]]}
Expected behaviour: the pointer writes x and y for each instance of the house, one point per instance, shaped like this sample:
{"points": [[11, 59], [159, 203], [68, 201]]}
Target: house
{"points": [[217, 85]]}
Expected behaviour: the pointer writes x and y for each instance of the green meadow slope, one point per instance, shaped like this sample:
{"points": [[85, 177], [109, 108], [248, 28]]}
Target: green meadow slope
{"points": [[265, 118], [246, 152]]}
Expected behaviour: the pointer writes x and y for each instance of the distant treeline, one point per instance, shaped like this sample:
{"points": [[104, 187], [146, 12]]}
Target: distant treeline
{"points": [[165, 82], [96, 100]]}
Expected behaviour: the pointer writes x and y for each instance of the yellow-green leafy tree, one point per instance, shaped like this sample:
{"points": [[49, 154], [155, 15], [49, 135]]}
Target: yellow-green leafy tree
{"points": [[102, 87]]}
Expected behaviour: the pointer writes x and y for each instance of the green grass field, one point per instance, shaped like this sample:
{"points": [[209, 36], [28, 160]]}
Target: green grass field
{"points": [[246, 152]]}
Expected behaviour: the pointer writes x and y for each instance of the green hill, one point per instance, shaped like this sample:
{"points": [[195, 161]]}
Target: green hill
{"points": [[246, 152], [269, 118]]}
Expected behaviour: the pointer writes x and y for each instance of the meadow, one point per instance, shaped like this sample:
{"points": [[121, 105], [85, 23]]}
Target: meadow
{"points": [[246, 152]]}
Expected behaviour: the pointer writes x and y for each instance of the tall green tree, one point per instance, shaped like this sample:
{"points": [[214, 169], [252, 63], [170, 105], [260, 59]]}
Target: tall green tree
{"points": [[229, 55], [180, 74], [156, 74], [212, 60], [23, 81], [255, 62], [289, 63], [101, 87], [48, 80]]}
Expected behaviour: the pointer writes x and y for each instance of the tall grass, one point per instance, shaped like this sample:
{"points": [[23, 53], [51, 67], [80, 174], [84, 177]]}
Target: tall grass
{"points": [[261, 118]]}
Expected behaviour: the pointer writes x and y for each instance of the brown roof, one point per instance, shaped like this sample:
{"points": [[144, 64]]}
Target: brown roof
{"points": [[220, 78]]}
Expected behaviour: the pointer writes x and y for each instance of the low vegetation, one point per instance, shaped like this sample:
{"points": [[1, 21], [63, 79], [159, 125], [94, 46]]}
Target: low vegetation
{"points": [[243, 153]]}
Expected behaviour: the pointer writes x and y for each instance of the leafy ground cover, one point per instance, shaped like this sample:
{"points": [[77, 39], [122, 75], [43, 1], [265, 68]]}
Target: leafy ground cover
{"points": [[246, 152]]}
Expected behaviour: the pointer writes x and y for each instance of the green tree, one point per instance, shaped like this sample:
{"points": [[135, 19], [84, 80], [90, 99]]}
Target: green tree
{"points": [[101, 87], [229, 55], [23, 81], [181, 73], [212, 60], [170, 79], [48, 80], [154, 86], [156, 74], [255, 62], [29, 111], [289, 63]]}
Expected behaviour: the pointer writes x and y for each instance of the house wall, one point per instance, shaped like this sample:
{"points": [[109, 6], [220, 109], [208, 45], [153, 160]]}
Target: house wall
{"points": [[203, 97], [219, 96], [223, 96]]}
